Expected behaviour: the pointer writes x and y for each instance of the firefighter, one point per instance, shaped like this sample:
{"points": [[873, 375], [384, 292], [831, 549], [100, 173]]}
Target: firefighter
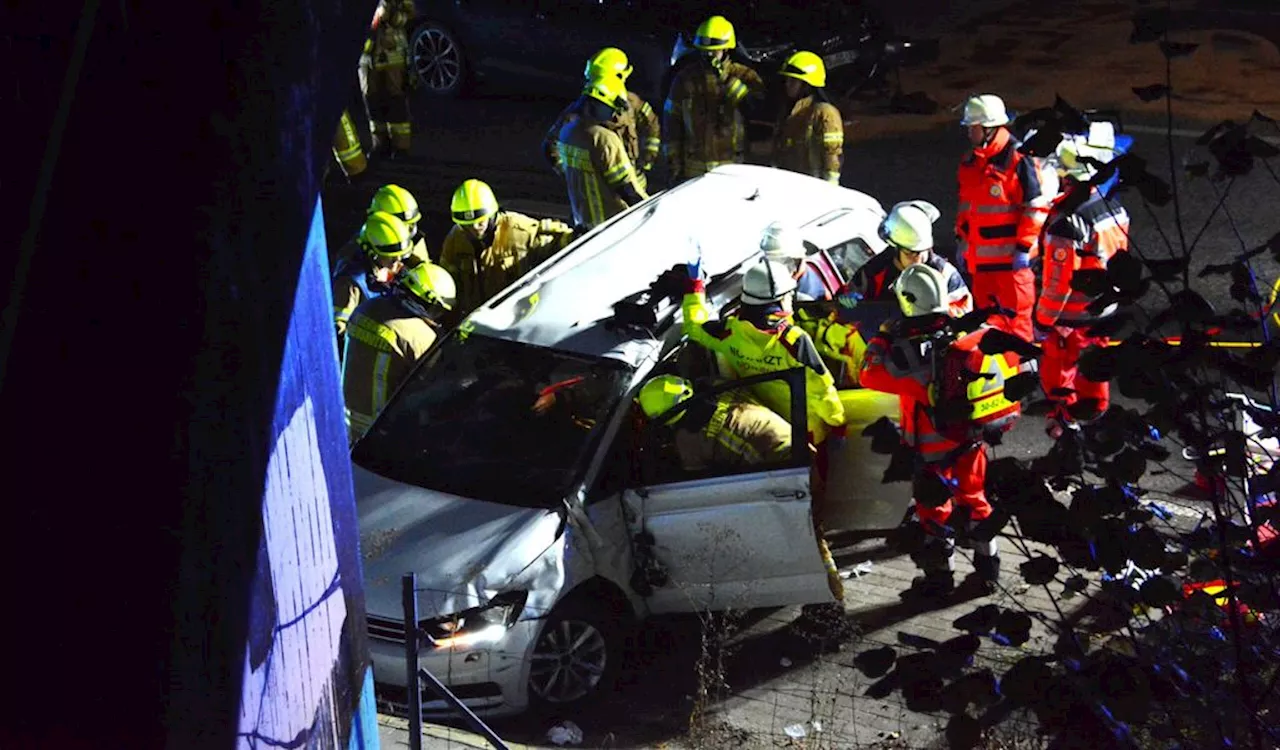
{"points": [[487, 249], [347, 149], [599, 175], [1084, 239], [387, 335], [762, 337], [810, 133], [384, 77], [401, 204], [1002, 208], [730, 432], [918, 359], [908, 232], [702, 122], [637, 124], [781, 243], [384, 247]]}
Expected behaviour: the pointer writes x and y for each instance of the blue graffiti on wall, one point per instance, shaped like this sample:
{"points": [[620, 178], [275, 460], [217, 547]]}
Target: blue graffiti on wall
{"points": [[307, 679]]}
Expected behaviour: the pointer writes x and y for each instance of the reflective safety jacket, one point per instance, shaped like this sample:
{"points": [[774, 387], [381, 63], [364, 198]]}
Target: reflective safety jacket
{"points": [[1084, 240], [384, 340], [914, 378], [1003, 204], [638, 127], [596, 170], [353, 284], [702, 122], [874, 280], [389, 45], [740, 432], [512, 246], [810, 140], [768, 343]]}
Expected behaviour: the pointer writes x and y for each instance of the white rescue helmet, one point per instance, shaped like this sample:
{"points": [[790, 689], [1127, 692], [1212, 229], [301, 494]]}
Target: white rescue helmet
{"points": [[921, 290], [767, 282], [1099, 144], [987, 110], [909, 225], [781, 243]]}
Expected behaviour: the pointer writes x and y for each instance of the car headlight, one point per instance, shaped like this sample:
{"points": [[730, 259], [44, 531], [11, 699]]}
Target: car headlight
{"points": [[476, 626]]}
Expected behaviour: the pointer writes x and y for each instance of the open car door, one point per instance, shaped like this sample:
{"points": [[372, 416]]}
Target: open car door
{"points": [[729, 538]]}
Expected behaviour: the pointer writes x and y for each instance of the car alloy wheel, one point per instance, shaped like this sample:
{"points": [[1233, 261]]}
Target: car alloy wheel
{"points": [[569, 661], [437, 60]]}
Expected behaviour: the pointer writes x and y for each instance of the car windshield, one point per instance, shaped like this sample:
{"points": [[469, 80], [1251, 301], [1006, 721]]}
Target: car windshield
{"points": [[465, 422]]}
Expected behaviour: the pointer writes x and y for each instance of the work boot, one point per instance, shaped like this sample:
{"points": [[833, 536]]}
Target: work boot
{"points": [[935, 584], [986, 572]]}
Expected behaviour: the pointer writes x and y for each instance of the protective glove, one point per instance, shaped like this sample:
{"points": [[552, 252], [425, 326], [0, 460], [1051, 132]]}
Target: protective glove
{"points": [[1021, 260], [697, 277], [849, 300]]}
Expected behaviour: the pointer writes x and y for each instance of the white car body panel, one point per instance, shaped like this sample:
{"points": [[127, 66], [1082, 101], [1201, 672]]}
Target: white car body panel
{"points": [[734, 542]]}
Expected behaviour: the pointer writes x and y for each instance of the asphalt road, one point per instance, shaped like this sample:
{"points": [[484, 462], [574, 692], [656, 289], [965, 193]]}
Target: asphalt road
{"points": [[494, 135]]}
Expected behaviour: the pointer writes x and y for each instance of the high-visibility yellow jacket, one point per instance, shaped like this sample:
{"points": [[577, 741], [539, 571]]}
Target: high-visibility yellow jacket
{"points": [[384, 340], [810, 140], [770, 345], [596, 169], [513, 245]]}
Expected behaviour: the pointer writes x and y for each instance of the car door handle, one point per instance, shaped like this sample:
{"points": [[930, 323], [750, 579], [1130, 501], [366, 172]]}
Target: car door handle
{"points": [[790, 494]]}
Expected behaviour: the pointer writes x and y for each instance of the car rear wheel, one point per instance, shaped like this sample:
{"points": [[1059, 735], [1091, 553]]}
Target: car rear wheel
{"points": [[577, 658], [438, 61]]}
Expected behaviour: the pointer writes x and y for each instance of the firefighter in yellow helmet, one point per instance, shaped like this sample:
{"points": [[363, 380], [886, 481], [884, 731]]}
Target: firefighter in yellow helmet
{"points": [[638, 124], [702, 122], [488, 249], [730, 432], [400, 203], [810, 133], [347, 149], [383, 249], [600, 177], [384, 77], [386, 337]]}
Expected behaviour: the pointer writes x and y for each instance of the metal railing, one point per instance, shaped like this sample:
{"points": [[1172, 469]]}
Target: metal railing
{"points": [[417, 675]]}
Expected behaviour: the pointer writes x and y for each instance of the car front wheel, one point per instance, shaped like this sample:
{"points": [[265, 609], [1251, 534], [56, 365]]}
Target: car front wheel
{"points": [[577, 658], [438, 63]]}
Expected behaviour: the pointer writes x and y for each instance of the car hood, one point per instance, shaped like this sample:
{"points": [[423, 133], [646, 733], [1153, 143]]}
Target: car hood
{"points": [[463, 551]]}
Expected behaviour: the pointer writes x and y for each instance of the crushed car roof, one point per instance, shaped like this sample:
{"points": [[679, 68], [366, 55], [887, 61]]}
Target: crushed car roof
{"points": [[565, 302]]}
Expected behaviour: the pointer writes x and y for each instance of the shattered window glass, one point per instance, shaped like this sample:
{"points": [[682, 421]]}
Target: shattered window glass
{"points": [[495, 420]]}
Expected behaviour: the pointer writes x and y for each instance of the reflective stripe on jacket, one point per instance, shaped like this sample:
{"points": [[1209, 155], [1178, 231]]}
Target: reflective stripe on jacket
{"points": [[638, 127], [1002, 204], [1084, 240], [740, 432], [384, 341], [911, 384], [701, 120], [595, 168], [810, 140], [749, 350], [512, 246], [874, 280]]}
